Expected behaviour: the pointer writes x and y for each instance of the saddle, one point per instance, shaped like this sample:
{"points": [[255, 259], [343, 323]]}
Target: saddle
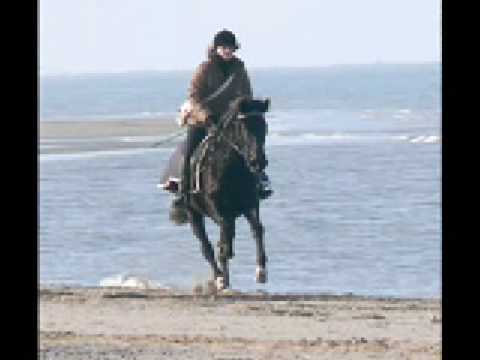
{"points": [[197, 162], [172, 175]]}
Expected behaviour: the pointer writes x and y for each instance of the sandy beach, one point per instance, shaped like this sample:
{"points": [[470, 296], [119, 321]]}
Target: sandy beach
{"points": [[71, 136], [124, 323]]}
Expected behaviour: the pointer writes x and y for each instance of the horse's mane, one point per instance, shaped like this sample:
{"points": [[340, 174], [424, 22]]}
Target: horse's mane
{"points": [[220, 161]]}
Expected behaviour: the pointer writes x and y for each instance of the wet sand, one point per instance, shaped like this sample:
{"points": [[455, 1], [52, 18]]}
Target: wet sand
{"points": [[72, 136], [122, 323]]}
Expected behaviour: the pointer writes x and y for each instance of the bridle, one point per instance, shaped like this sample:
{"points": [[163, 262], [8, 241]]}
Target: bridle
{"points": [[218, 133], [230, 116]]}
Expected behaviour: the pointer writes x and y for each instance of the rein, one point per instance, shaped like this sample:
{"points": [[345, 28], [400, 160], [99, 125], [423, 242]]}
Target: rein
{"points": [[217, 133], [230, 116]]}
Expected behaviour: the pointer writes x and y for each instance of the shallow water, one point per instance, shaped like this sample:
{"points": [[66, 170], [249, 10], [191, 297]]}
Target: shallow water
{"points": [[356, 209]]}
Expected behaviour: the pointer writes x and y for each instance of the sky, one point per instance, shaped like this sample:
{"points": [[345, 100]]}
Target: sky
{"points": [[91, 36]]}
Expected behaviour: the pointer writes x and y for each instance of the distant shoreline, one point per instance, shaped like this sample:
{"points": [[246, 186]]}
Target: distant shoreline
{"points": [[71, 136], [254, 68], [105, 128]]}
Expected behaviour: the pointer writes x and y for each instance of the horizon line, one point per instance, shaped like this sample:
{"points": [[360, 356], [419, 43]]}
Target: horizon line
{"points": [[251, 68]]}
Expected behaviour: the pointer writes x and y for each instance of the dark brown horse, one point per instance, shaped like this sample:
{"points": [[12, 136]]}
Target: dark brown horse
{"points": [[225, 170]]}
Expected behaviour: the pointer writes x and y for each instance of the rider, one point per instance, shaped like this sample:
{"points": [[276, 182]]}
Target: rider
{"points": [[209, 77]]}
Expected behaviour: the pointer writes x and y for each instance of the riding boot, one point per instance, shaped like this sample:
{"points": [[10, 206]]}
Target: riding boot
{"points": [[178, 209], [265, 187], [185, 182]]}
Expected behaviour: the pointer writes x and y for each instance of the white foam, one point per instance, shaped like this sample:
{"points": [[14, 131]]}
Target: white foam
{"points": [[44, 146], [425, 139], [309, 138], [95, 154], [129, 281], [432, 139], [132, 139], [114, 139]]}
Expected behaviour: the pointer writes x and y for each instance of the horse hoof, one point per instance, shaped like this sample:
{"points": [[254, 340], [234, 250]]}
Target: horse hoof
{"points": [[211, 287], [261, 275], [220, 283], [230, 292]]}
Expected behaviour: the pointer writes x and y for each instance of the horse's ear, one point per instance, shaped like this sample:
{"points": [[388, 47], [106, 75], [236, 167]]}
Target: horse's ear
{"points": [[266, 103], [263, 105], [248, 105]]}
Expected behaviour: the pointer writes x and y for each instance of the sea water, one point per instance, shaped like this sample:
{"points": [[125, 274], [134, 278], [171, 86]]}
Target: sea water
{"points": [[354, 157]]}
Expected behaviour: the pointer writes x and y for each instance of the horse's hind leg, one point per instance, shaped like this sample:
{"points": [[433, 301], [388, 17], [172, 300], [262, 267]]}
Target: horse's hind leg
{"points": [[198, 227], [253, 217], [227, 233]]}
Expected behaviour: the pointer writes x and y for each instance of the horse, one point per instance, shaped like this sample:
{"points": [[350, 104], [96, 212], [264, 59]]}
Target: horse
{"points": [[225, 169]]}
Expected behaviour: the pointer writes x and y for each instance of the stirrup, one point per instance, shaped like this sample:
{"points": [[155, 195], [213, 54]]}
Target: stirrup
{"points": [[265, 193], [264, 186], [178, 211]]}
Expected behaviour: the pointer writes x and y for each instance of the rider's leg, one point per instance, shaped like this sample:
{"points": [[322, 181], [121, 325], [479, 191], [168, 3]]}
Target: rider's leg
{"points": [[265, 186], [195, 135]]}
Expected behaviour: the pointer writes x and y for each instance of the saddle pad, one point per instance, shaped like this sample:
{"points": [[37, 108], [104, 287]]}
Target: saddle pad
{"points": [[174, 165], [174, 168]]}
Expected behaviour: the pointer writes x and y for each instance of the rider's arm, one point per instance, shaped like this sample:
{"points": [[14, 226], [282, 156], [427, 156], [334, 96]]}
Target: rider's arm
{"points": [[246, 86], [197, 92]]}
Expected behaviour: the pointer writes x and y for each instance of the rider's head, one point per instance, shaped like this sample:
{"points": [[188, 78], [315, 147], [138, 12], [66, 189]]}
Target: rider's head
{"points": [[225, 44]]}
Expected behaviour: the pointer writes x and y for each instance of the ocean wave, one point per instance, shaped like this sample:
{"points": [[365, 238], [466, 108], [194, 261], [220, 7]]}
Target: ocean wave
{"points": [[424, 139], [274, 139], [105, 117], [110, 139], [94, 154], [309, 138]]}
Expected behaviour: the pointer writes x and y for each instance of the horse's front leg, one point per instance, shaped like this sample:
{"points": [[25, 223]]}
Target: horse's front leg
{"points": [[198, 226], [227, 234], [253, 217]]}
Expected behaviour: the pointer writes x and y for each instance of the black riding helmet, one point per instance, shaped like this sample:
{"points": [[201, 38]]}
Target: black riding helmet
{"points": [[225, 38]]}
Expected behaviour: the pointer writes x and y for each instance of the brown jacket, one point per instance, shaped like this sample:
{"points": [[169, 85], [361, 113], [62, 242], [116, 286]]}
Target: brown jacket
{"points": [[207, 79]]}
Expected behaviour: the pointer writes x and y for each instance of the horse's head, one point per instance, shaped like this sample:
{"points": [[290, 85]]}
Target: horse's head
{"points": [[248, 129]]}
